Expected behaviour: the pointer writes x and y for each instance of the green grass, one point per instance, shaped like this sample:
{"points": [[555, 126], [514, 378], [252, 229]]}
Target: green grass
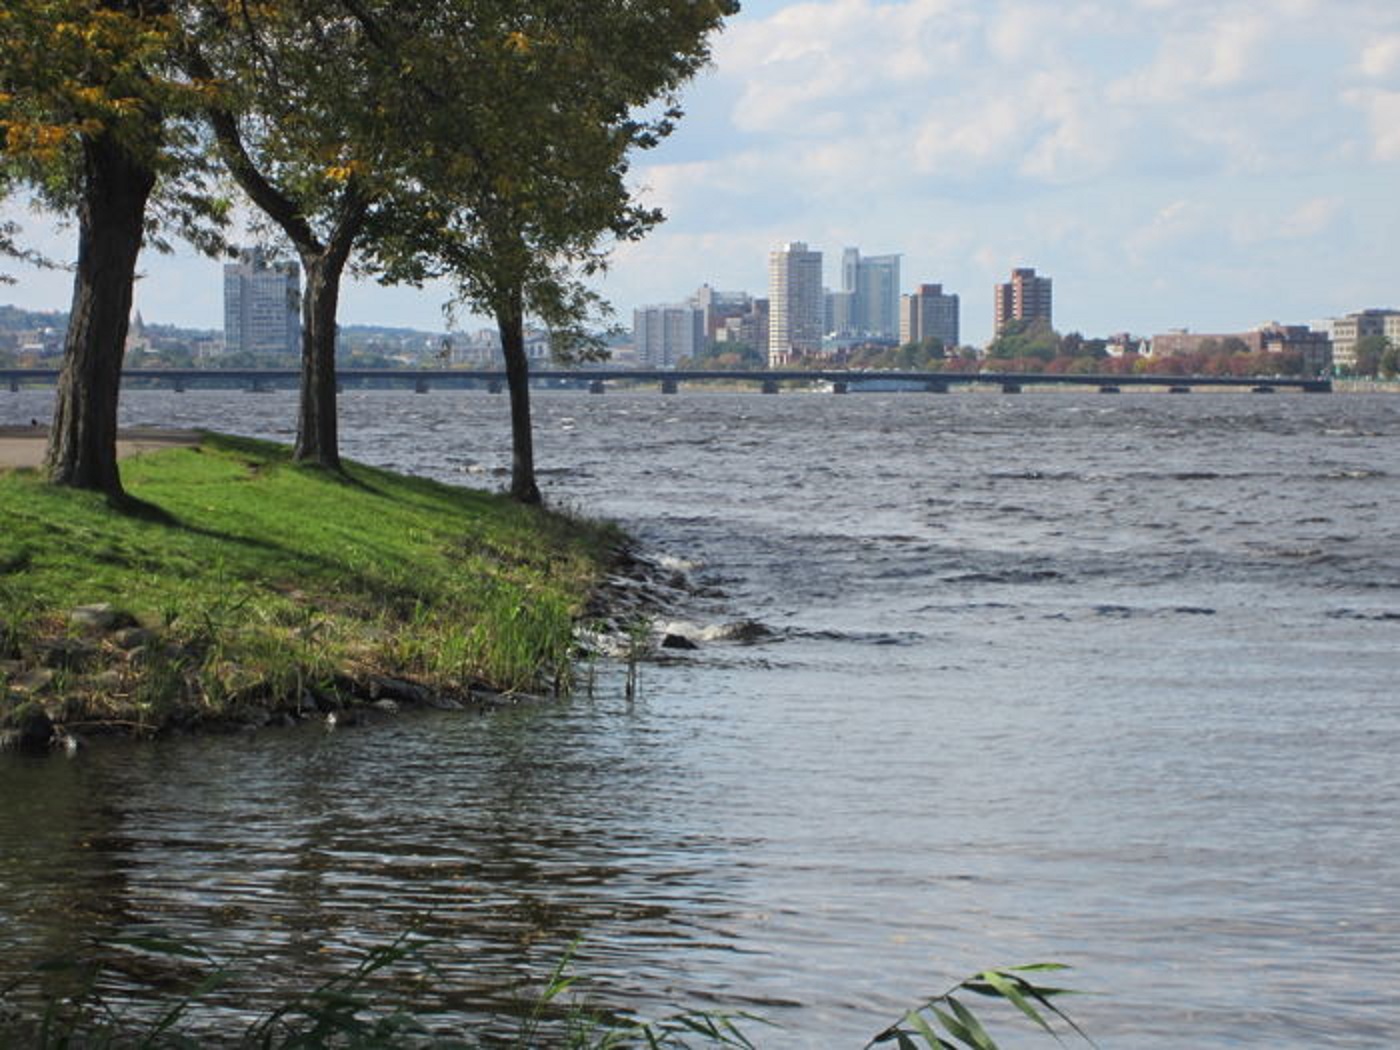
{"points": [[260, 579]]}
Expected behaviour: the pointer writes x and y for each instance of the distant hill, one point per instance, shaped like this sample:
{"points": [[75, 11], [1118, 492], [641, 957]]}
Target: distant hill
{"points": [[18, 319]]}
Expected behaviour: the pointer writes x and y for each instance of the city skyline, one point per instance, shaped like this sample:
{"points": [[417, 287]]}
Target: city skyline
{"points": [[1208, 166]]}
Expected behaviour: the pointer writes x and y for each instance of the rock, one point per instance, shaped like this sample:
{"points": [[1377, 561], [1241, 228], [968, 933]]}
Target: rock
{"points": [[31, 729], [107, 681], [133, 638], [65, 653], [677, 641], [443, 703], [382, 687], [100, 617], [389, 707], [33, 681], [746, 631]]}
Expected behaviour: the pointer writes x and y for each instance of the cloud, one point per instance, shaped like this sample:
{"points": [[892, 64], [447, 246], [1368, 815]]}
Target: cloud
{"points": [[1381, 58], [1265, 224], [1382, 109], [1114, 144]]}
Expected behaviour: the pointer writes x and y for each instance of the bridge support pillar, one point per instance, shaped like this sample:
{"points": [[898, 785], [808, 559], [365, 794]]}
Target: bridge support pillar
{"points": [[494, 386], [596, 387], [14, 386], [935, 386], [420, 386], [840, 387], [770, 386], [257, 386], [179, 386], [1108, 389], [1178, 390], [1010, 388], [669, 386], [339, 388]]}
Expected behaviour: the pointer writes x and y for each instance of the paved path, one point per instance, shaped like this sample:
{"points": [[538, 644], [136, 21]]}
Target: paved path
{"points": [[24, 446]]}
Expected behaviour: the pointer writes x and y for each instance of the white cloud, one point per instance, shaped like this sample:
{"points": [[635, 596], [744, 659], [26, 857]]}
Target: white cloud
{"points": [[1381, 58], [1382, 109], [1263, 224], [1110, 143]]}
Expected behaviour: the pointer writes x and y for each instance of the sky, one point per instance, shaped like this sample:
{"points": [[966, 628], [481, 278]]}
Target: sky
{"points": [[1201, 164]]}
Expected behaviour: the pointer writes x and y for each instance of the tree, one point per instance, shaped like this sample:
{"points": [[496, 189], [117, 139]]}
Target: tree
{"points": [[726, 356], [571, 88], [1370, 349], [1025, 339], [96, 125], [296, 127]]}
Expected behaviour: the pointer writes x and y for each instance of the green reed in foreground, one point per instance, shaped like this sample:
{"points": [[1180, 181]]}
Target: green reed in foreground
{"points": [[352, 1010]]}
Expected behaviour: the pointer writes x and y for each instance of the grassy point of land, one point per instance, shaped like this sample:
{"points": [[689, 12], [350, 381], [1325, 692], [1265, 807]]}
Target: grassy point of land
{"points": [[254, 589]]}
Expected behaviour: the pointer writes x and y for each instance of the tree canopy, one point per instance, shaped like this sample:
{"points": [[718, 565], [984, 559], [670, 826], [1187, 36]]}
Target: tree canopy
{"points": [[522, 222], [96, 124]]}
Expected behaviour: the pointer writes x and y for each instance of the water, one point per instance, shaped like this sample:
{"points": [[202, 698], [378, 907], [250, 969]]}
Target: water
{"points": [[1108, 680]]}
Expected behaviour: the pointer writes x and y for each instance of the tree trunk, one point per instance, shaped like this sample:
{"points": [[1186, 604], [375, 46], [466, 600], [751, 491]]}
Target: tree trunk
{"points": [[317, 435], [510, 321], [82, 450]]}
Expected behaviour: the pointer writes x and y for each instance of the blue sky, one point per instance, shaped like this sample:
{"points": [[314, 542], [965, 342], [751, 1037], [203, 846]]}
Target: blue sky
{"points": [[1209, 164]]}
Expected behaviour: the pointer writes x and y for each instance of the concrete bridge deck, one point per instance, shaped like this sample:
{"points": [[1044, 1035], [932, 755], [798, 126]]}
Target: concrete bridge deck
{"points": [[597, 379]]}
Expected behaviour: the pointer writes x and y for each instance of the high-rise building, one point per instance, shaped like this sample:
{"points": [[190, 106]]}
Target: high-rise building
{"points": [[662, 335], [1025, 297], [929, 314], [838, 313], [718, 307], [795, 302], [262, 305], [873, 285]]}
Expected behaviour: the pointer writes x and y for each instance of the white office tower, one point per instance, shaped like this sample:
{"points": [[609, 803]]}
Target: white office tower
{"points": [[262, 305], [796, 303]]}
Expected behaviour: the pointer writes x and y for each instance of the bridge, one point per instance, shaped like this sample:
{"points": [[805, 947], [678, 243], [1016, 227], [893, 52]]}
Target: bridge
{"points": [[840, 381]]}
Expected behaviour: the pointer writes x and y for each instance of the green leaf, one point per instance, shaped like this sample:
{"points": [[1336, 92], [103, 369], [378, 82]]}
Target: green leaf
{"points": [[926, 1030], [954, 1026], [1007, 987], [979, 1034]]}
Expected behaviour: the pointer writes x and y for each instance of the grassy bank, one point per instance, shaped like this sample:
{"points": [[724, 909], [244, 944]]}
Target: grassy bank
{"points": [[261, 590]]}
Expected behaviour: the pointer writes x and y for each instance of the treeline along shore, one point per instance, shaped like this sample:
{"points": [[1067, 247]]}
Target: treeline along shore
{"points": [[250, 590]]}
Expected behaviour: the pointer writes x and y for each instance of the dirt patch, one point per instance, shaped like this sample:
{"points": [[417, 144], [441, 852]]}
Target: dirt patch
{"points": [[25, 446]]}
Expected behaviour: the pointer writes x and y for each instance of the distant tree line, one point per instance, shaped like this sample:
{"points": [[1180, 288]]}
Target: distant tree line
{"points": [[1033, 346]]}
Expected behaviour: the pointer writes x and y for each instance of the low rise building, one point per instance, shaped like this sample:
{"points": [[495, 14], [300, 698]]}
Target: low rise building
{"points": [[1315, 346], [1349, 330]]}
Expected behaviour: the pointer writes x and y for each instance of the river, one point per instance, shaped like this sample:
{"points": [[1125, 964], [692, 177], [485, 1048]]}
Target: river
{"points": [[1109, 680]]}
